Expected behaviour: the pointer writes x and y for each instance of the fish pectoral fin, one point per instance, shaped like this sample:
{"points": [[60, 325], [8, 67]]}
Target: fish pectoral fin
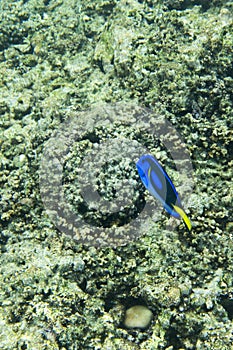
{"points": [[184, 216]]}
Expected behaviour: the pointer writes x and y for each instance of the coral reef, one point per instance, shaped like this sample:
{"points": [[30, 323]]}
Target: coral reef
{"points": [[60, 58]]}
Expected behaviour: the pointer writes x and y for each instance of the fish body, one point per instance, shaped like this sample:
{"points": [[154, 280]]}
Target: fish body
{"points": [[159, 184]]}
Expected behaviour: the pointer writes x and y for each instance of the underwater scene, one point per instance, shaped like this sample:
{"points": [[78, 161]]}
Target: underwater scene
{"points": [[116, 150]]}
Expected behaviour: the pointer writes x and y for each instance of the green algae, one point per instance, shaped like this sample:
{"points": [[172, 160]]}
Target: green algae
{"points": [[173, 57]]}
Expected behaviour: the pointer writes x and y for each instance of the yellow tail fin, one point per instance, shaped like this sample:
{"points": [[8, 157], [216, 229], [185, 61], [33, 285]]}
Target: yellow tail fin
{"points": [[184, 216]]}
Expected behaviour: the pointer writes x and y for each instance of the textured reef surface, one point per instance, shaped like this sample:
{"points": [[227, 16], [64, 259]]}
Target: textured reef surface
{"points": [[58, 59]]}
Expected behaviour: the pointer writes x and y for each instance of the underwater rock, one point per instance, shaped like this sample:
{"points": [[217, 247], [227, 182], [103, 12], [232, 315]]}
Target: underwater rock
{"points": [[138, 316]]}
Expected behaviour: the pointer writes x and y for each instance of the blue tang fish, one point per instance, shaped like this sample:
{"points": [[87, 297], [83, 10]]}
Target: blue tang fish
{"points": [[159, 184]]}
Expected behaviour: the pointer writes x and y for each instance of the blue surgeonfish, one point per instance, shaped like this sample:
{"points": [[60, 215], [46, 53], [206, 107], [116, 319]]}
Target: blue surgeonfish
{"points": [[159, 184]]}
